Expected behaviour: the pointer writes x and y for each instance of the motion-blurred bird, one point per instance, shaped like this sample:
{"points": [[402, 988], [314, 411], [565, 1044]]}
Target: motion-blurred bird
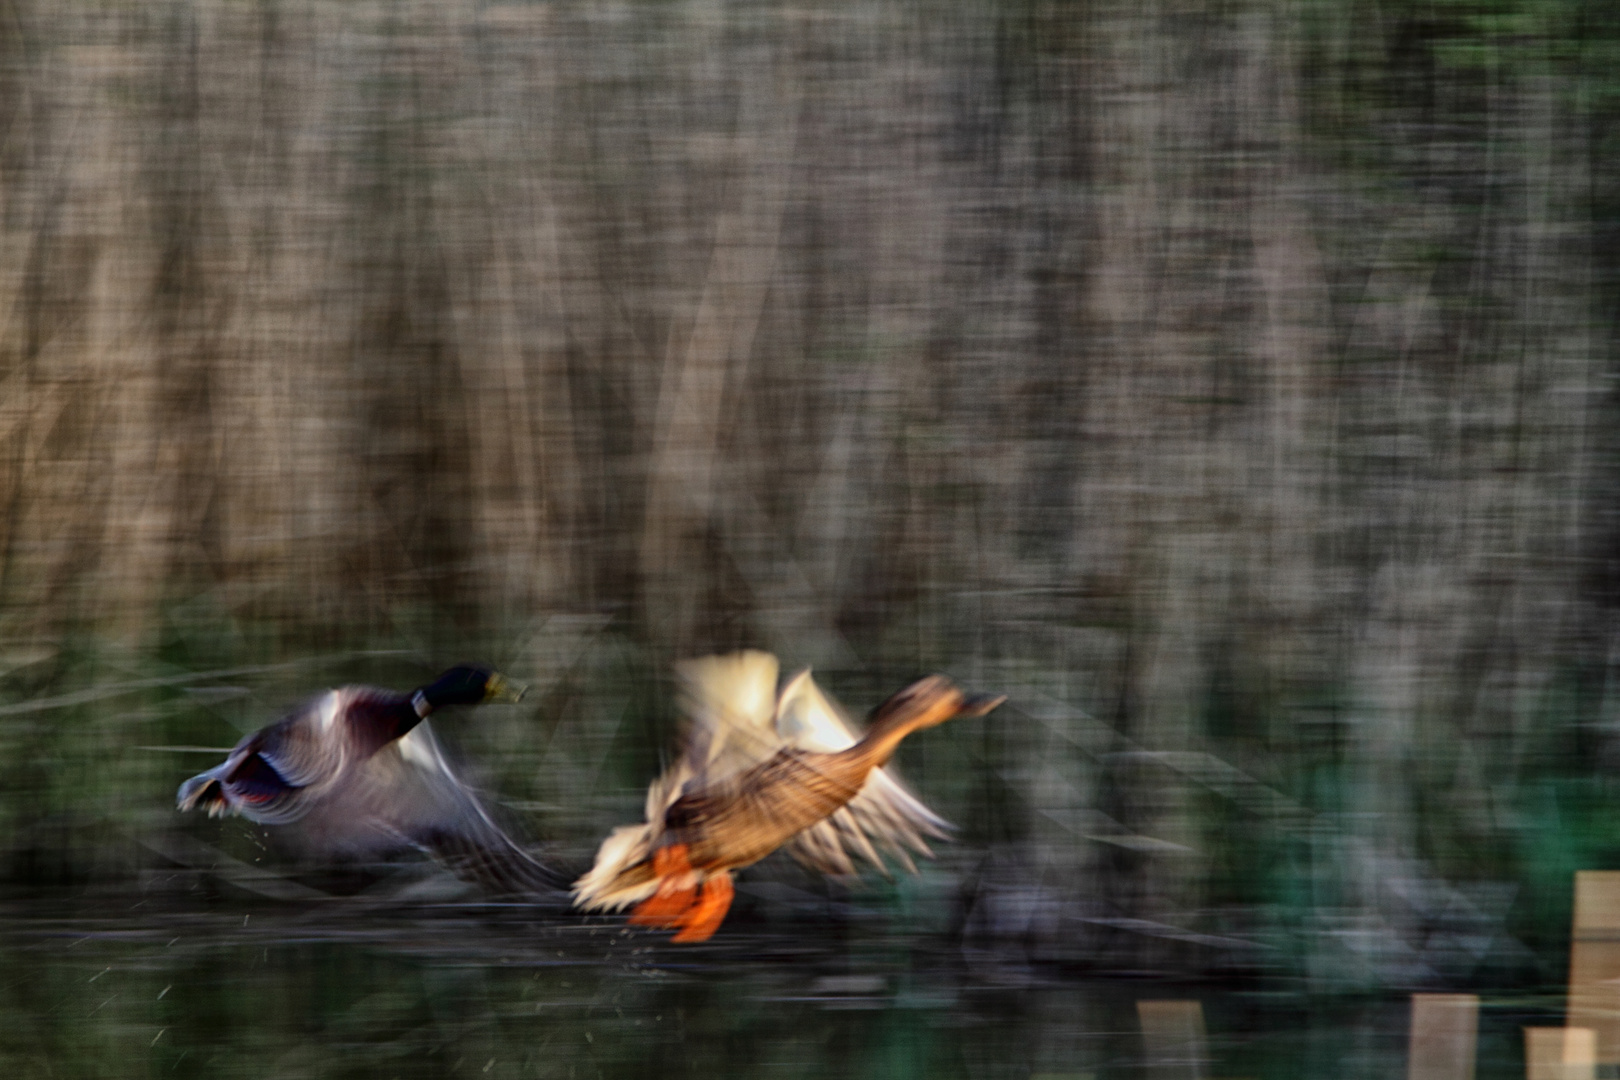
{"points": [[760, 771], [358, 770]]}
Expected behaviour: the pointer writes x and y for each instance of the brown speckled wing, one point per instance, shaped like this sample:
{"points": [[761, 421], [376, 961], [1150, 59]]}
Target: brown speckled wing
{"points": [[741, 822], [884, 817]]}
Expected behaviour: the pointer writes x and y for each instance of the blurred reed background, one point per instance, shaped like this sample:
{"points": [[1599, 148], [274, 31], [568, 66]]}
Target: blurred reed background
{"points": [[1232, 385]]}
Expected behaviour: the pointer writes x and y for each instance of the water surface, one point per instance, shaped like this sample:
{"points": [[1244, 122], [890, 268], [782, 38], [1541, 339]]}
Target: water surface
{"points": [[224, 986]]}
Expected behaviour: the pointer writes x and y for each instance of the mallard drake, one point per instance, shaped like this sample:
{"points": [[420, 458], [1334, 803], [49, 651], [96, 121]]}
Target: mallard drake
{"points": [[763, 770], [358, 770]]}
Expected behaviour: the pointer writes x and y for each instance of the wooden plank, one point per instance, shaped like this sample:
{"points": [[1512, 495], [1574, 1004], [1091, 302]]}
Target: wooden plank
{"points": [[1594, 961], [1560, 1054], [1597, 903], [1444, 1029], [1173, 1039]]}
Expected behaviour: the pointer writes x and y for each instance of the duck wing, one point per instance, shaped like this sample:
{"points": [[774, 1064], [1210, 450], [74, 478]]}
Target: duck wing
{"points": [[743, 819], [277, 774], [311, 747], [729, 704], [883, 815], [407, 795]]}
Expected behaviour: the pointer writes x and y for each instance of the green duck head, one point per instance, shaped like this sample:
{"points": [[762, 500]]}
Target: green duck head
{"points": [[470, 684]]}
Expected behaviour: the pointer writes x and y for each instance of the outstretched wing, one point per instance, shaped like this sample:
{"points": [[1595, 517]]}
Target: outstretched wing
{"points": [[883, 816], [743, 820], [287, 770], [730, 706], [274, 775], [310, 746], [406, 795]]}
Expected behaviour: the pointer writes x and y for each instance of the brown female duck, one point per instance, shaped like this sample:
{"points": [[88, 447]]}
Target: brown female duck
{"points": [[763, 771]]}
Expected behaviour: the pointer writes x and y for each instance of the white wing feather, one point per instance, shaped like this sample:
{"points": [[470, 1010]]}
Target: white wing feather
{"points": [[884, 811], [730, 707]]}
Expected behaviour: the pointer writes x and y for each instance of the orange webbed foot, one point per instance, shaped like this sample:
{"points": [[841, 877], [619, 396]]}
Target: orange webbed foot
{"points": [[705, 917], [677, 889]]}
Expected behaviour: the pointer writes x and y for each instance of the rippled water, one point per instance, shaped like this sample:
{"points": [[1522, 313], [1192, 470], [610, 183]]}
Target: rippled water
{"points": [[224, 987]]}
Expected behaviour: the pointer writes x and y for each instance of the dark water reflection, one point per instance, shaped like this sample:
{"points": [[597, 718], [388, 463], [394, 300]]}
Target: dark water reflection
{"points": [[125, 987]]}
